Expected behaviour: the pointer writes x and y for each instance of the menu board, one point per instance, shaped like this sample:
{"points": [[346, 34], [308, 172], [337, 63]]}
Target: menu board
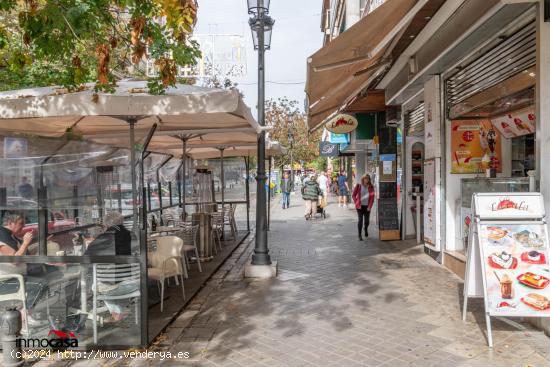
{"points": [[509, 206], [515, 259], [507, 260], [387, 206], [470, 148]]}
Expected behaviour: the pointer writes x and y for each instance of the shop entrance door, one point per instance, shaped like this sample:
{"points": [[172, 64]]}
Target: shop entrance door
{"points": [[415, 184]]}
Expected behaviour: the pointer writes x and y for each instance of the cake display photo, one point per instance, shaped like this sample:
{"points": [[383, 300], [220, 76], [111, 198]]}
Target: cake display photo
{"points": [[533, 257], [502, 260]]}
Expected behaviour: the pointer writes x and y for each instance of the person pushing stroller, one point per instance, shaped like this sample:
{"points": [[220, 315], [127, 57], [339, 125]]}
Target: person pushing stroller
{"points": [[310, 194]]}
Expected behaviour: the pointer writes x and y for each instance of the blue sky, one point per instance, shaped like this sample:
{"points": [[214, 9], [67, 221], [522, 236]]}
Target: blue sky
{"points": [[296, 35]]}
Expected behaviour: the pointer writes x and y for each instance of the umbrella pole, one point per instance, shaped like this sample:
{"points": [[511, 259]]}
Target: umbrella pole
{"points": [[132, 122], [159, 188], [183, 178], [42, 196], [141, 226], [222, 177]]}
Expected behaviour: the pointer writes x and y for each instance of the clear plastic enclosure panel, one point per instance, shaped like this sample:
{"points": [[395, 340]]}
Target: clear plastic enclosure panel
{"points": [[60, 299]]}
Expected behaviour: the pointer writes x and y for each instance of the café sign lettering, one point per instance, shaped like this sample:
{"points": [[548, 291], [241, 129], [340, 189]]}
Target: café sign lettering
{"points": [[342, 124]]}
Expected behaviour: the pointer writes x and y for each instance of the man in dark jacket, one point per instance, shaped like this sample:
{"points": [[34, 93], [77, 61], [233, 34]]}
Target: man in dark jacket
{"points": [[286, 188], [310, 194]]}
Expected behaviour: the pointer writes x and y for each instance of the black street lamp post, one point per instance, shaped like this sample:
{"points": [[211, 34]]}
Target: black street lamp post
{"points": [[261, 25]]}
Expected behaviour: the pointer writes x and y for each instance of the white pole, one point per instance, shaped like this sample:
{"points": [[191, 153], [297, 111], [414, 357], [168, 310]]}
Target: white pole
{"points": [[417, 194]]}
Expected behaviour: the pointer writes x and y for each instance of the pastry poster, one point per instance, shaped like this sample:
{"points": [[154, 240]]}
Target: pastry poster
{"points": [[515, 259], [472, 142], [516, 123]]}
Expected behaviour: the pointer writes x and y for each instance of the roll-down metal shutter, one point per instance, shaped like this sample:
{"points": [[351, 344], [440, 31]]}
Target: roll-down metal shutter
{"points": [[513, 55], [414, 121]]}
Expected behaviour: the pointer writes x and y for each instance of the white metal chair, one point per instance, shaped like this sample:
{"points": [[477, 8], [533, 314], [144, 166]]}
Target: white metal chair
{"points": [[189, 236], [232, 219], [19, 295], [217, 230], [167, 263], [229, 220], [168, 219], [106, 276]]}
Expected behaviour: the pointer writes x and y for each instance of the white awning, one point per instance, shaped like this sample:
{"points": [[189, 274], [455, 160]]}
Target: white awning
{"points": [[342, 68]]}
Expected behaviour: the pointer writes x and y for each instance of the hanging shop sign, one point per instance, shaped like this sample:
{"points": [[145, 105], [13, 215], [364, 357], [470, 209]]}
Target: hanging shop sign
{"points": [[508, 256], [516, 123], [342, 124], [339, 138], [327, 149], [475, 145], [432, 118]]}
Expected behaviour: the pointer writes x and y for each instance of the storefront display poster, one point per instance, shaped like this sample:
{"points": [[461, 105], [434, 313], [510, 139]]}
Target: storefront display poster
{"points": [[471, 146], [432, 232], [516, 123], [515, 259], [466, 221]]}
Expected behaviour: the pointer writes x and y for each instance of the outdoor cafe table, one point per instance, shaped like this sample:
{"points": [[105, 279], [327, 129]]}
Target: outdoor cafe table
{"points": [[165, 230]]}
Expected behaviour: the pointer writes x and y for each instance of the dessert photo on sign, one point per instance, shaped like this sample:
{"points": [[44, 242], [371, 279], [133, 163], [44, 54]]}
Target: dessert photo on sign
{"points": [[496, 233], [516, 268]]}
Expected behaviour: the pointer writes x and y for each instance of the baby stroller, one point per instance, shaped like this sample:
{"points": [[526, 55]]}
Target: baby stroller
{"points": [[321, 205]]}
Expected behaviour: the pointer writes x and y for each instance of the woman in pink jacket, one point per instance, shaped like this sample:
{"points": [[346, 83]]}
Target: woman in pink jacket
{"points": [[363, 197]]}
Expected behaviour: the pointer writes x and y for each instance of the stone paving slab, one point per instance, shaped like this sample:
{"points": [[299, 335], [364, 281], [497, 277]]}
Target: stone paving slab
{"points": [[340, 302]]}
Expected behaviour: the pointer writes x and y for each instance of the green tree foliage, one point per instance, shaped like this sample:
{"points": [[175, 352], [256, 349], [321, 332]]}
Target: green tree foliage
{"points": [[283, 114], [72, 42]]}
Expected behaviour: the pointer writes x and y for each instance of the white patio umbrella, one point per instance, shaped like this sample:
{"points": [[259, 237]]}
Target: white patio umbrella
{"points": [[272, 149], [184, 116]]}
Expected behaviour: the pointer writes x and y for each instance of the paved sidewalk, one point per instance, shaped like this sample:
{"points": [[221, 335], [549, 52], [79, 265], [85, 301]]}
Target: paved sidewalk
{"points": [[340, 302]]}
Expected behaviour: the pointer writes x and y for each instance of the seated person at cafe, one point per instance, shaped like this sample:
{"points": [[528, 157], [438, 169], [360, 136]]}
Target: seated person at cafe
{"points": [[10, 245], [115, 240]]}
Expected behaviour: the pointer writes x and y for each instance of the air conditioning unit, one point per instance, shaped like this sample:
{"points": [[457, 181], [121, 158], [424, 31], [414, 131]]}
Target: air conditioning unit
{"points": [[393, 116]]}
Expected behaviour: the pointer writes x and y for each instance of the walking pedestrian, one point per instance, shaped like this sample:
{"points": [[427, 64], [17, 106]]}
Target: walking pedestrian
{"points": [[310, 194], [363, 197], [286, 188], [323, 186], [343, 189]]}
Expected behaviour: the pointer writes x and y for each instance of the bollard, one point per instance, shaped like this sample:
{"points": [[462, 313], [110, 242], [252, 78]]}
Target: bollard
{"points": [[532, 181], [10, 327]]}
